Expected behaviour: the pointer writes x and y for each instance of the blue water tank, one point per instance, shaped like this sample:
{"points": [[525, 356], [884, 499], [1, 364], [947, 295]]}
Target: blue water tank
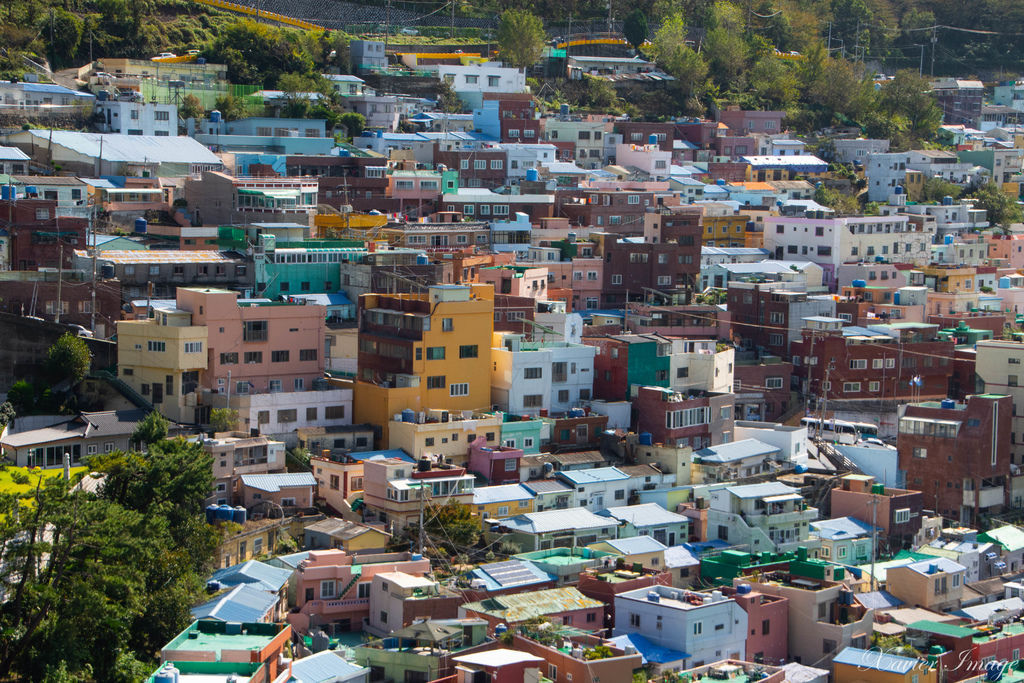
{"points": [[720, 182], [215, 116], [141, 226], [652, 596], [994, 671], [563, 109], [948, 239], [899, 190], [947, 201], [896, 298], [571, 237], [416, 557], [107, 271], [422, 259], [380, 134], [532, 175], [646, 439], [409, 415], [233, 628], [502, 628], [31, 191], [743, 589], [652, 139], [1004, 282], [167, 674], [576, 412], [800, 469], [102, 96], [238, 515], [879, 259], [947, 404], [860, 283], [8, 192], [225, 513], [211, 513]]}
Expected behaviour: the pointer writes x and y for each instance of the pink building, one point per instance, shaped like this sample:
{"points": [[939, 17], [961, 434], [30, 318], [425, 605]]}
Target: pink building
{"points": [[1009, 249], [417, 190], [498, 666], [498, 465], [525, 281], [583, 275], [768, 623], [648, 158], [333, 587], [288, 490]]}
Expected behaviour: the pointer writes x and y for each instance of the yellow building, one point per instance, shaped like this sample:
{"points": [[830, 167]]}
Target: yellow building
{"points": [[725, 231], [501, 502], [449, 440], [951, 279], [162, 357], [643, 550], [854, 665], [427, 352]]}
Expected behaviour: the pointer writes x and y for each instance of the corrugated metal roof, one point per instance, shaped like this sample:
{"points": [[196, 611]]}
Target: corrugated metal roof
{"points": [[147, 149], [556, 520], [771, 488], [878, 600], [1009, 537], [594, 476], [941, 564], [158, 256], [326, 667], [12, 154], [243, 603], [680, 556], [645, 514], [542, 486], [636, 545], [876, 660], [498, 575], [841, 528], [501, 494], [737, 450], [253, 572], [522, 606], [272, 483]]}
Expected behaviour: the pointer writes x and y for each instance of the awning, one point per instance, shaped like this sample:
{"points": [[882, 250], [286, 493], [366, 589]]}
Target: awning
{"points": [[133, 190], [781, 498], [270, 193]]}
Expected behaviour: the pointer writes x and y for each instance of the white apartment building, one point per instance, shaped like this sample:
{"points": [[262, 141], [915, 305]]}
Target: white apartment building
{"points": [[530, 378], [769, 516], [1000, 369], [589, 137], [137, 118], [833, 241], [696, 364], [708, 627], [522, 157], [472, 81]]}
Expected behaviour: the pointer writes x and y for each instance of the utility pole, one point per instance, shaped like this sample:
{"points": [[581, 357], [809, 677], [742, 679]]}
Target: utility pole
{"points": [[453, 19], [60, 275], [856, 45], [935, 39], [92, 307], [920, 69], [874, 537], [828, 50], [609, 17], [824, 394], [421, 532]]}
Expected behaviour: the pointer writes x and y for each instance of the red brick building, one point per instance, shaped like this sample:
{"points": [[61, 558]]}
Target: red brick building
{"points": [[768, 317], [958, 454], [762, 388], [39, 237], [476, 167], [603, 584], [37, 296], [356, 180], [898, 513], [698, 419], [616, 211]]}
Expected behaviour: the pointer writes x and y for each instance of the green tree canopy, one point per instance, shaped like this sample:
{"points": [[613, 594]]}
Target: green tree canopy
{"points": [[353, 122], [679, 59], [151, 429], [68, 359], [1000, 208], [191, 107], [635, 28], [520, 38], [223, 419]]}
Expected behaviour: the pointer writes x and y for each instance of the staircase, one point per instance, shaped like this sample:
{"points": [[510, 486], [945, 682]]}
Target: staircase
{"points": [[124, 389]]}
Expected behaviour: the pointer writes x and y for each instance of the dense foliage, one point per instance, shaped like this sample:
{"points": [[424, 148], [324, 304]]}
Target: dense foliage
{"points": [[95, 585]]}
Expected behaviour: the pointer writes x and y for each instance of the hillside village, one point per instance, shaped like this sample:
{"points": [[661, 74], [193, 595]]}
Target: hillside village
{"points": [[426, 377]]}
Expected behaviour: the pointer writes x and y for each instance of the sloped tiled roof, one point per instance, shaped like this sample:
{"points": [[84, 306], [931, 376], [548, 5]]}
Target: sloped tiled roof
{"points": [[254, 572]]}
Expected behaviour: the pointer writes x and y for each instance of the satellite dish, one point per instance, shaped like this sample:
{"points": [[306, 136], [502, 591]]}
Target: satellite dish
{"points": [[573, 333]]}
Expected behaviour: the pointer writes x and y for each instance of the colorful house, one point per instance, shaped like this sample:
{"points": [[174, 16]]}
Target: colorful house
{"points": [[563, 605]]}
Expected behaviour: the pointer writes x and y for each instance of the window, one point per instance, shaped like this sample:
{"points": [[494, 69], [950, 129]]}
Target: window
{"points": [[275, 386], [289, 415], [446, 325], [193, 347], [773, 382], [156, 345], [921, 453], [858, 364], [510, 464], [851, 387], [775, 340], [533, 373], [459, 389], [307, 354], [634, 620], [698, 628], [468, 351], [616, 279], [435, 353], [253, 357], [902, 516], [229, 358], [533, 401], [279, 356], [874, 387], [436, 382], [497, 164], [327, 590], [255, 331]]}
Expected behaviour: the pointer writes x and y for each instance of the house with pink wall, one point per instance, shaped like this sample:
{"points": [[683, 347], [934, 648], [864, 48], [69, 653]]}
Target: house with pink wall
{"points": [[332, 587], [650, 159], [499, 465], [289, 490], [526, 281], [1009, 249], [767, 625]]}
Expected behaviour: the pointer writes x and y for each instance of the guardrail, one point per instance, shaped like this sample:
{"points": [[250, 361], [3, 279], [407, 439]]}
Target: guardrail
{"points": [[259, 14]]}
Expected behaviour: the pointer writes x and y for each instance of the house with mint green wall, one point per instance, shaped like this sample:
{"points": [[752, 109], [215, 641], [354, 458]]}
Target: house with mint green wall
{"points": [[522, 434], [646, 367]]}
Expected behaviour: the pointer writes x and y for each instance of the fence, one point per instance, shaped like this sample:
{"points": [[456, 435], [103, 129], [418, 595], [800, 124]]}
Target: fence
{"points": [[206, 93]]}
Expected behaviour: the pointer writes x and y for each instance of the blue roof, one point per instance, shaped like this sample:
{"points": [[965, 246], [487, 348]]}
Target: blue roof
{"points": [[501, 494], [635, 545], [291, 560], [499, 575], [649, 652], [329, 300], [272, 483], [876, 660], [592, 476], [878, 600], [737, 450], [841, 528], [359, 456], [254, 572], [326, 667], [705, 546], [55, 90], [243, 603], [680, 556]]}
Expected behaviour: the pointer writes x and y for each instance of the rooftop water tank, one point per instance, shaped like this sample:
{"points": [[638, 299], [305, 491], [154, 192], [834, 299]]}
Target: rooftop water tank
{"points": [[416, 557], [8, 192], [211, 513], [102, 96], [652, 596], [563, 109], [743, 589], [800, 469], [1004, 282], [167, 674], [948, 404], [238, 515], [532, 175], [652, 139], [215, 116], [548, 468], [646, 439], [31, 191], [948, 239], [225, 513], [720, 182], [896, 298], [947, 201], [860, 283], [576, 412], [501, 628], [141, 226], [107, 271], [422, 259], [899, 190], [408, 415]]}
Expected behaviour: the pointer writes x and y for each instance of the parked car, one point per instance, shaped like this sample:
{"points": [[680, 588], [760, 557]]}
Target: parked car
{"points": [[164, 55]]}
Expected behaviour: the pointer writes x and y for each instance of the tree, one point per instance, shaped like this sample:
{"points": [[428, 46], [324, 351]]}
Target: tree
{"points": [[908, 94], [1000, 208], [520, 38], [7, 414], [679, 59], [22, 395], [842, 204], [726, 53], [635, 28], [150, 429], [191, 108], [447, 100], [230, 107], [452, 525], [934, 189], [67, 35], [353, 122], [223, 419], [68, 359]]}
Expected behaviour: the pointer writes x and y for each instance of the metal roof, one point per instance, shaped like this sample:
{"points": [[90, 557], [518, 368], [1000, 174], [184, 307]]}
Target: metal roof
{"points": [[645, 514], [158, 256], [648, 651], [1009, 537], [498, 657], [878, 600], [771, 488], [500, 494], [518, 607], [841, 528], [149, 149], [326, 667], [984, 611], [636, 545], [243, 603], [680, 556], [542, 486], [595, 475], [253, 572], [12, 154], [876, 660], [941, 564], [556, 520], [272, 483], [499, 575], [737, 450]]}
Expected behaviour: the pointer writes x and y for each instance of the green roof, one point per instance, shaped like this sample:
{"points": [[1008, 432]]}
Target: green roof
{"points": [[522, 606], [1009, 537], [942, 629]]}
